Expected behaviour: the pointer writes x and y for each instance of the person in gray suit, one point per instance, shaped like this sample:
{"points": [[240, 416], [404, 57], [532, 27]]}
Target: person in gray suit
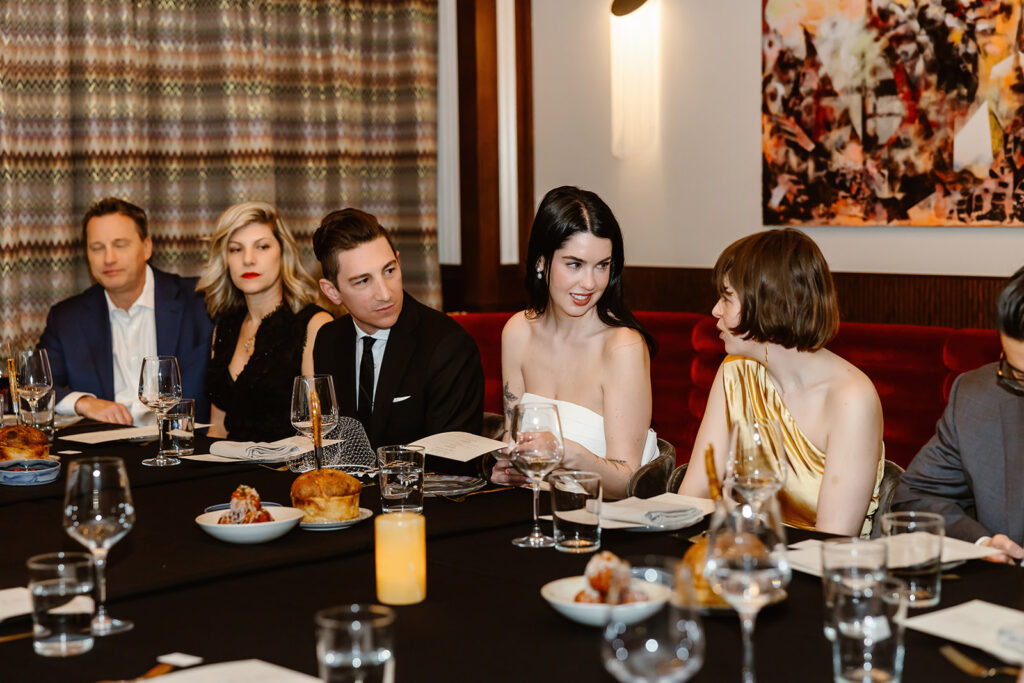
{"points": [[972, 471]]}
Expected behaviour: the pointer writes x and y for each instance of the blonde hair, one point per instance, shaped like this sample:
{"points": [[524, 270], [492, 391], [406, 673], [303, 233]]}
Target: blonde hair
{"points": [[297, 286]]}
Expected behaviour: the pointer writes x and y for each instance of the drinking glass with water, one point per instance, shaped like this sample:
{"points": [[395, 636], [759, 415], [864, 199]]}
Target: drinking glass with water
{"points": [[356, 643], [401, 478], [850, 561], [61, 585]]}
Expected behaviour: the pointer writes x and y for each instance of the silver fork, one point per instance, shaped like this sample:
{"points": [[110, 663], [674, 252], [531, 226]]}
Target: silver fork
{"points": [[973, 668]]}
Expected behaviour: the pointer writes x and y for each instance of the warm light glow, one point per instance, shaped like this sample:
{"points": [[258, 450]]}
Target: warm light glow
{"points": [[636, 79], [401, 558]]}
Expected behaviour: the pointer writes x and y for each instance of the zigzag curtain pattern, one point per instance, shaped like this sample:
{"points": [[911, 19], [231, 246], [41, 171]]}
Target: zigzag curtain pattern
{"points": [[187, 107]]}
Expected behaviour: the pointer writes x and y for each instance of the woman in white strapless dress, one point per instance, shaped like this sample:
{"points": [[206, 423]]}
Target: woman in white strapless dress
{"points": [[578, 345]]}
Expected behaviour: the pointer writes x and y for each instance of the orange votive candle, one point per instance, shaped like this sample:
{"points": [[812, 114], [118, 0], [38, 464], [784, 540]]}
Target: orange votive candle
{"points": [[401, 558]]}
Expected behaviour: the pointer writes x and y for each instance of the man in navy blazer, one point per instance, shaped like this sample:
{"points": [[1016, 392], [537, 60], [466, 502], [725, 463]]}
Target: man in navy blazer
{"points": [[403, 369], [96, 340]]}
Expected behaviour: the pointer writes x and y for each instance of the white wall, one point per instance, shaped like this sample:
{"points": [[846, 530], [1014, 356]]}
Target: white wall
{"points": [[701, 189]]}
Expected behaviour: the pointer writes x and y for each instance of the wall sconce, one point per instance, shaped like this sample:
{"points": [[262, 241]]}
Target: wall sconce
{"points": [[636, 75]]}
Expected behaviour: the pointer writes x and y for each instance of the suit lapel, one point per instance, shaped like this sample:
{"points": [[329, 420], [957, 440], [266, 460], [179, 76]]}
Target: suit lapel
{"points": [[1012, 414], [398, 352], [98, 341], [169, 307], [345, 370]]}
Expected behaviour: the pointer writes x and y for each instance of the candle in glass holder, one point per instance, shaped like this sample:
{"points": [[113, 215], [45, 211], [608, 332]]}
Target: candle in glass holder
{"points": [[401, 558]]}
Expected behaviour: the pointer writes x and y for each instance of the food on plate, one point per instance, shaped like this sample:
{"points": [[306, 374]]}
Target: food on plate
{"points": [[22, 441], [326, 496], [608, 578], [245, 508], [694, 559]]}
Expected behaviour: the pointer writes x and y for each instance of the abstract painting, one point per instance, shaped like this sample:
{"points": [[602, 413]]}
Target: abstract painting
{"points": [[892, 112]]}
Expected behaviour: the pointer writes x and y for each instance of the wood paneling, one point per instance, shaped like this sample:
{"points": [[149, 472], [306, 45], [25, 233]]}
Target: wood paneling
{"points": [[951, 301]]}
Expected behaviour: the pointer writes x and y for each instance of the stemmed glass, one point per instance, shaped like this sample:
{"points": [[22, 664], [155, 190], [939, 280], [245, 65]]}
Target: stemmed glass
{"points": [[160, 390], [314, 397], [98, 512], [34, 377], [757, 459], [746, 563], [537, 435], [667, 646]]}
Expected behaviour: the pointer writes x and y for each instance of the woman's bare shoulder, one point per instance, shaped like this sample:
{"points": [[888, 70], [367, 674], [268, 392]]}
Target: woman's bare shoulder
{"points": [[624, 339], [517, 328], [850, 388]]}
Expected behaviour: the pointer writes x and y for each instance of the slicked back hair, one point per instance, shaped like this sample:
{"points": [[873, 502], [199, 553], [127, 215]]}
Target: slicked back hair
{"points": [[343, 230]]}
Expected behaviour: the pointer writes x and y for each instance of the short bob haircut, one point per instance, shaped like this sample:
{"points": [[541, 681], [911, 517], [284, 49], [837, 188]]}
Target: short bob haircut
{"points": [[343, 230], [564, 212], [784, 289], [114, 205], [222, 296], [1010, 308]]}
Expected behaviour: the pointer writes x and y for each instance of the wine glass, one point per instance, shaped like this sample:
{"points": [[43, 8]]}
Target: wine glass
{"points": [[757, 459], [746, 563], [314, 397], [665, 647], [98, 512], [160, 390], [538, 450], [34, 378]]}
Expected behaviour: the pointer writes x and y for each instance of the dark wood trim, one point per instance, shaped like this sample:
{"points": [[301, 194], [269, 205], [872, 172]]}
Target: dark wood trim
{"points": [[944, 300], [481, 283]]}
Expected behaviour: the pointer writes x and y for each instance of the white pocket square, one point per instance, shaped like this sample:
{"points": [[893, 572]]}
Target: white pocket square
{"points": [[399, 399]]}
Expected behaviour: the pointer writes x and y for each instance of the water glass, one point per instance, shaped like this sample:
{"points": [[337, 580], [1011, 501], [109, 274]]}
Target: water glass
{"points": [[915, 553], [61, 585], [850, 560], [181, 425], [576, 510], [869, 630], [38, 414], [356, 643], [401, 478], [667, 646]]}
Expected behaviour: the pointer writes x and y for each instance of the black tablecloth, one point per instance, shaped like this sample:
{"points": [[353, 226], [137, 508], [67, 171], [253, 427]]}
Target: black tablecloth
{"points": [[483, 619]]}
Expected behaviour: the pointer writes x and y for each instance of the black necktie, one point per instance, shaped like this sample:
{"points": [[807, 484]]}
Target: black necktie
{"points": [[365, 407]]}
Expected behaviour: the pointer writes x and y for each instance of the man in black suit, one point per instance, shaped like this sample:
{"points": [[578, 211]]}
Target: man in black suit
{"points": [[421, 374], [96, 340]]}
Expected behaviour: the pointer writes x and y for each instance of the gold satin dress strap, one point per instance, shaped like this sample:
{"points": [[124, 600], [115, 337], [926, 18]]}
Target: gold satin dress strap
{"points": [[749, 395]]}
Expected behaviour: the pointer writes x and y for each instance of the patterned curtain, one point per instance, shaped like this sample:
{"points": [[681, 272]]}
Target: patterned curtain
{"points": [[186, 107]]}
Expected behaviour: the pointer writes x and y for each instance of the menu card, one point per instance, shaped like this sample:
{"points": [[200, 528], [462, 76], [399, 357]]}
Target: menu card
{"points": [[460, 446], [993, 628], [14, 602], [248, 670], [805, 556]]}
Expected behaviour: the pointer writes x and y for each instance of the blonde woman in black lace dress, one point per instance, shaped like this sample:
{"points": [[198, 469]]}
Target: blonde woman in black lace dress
{"points": [[263, 303]]}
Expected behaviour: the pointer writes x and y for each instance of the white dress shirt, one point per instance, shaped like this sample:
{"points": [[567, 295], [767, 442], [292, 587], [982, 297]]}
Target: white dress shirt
{"points": [[380, 342], [133, 337]]}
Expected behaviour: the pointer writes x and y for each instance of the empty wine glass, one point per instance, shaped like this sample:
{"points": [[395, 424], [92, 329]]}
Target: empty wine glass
{"points": [[98, 512], [538, 450], [314, 395], [34, 377], [667, 646], [746, 563], [160, 390], [757, 459]]}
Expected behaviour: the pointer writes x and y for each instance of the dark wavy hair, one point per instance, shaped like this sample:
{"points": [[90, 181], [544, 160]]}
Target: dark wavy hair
{"points": [[564, 212]]}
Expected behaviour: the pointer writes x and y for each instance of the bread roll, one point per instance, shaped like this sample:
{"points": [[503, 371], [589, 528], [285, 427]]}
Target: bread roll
{"points": [[22, 441], [326, 496]]}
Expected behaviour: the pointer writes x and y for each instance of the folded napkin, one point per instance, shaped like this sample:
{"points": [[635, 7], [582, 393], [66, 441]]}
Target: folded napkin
{"points": [[652, 512], [277, 451]]}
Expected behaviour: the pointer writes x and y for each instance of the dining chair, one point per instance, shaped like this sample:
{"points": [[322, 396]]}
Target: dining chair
{"points": [[676, 478], [886, 491], [650, 479]]}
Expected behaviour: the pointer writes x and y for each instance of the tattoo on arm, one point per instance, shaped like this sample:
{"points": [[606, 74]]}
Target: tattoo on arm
{"points": [[510, 403]]}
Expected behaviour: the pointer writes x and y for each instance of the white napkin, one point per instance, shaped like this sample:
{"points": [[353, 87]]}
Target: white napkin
{"points": [[277, 451], [805, 556], [658, 511]]}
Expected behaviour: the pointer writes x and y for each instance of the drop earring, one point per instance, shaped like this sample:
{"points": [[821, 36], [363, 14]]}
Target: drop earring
{"points": [[540, 273]]}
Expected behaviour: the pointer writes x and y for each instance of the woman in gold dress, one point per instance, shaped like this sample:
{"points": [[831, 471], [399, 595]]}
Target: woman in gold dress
{"points": [[776, 311]]}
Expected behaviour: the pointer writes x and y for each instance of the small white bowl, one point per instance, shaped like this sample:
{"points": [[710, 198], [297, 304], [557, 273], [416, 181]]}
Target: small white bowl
{"points": [[560, 594], [285, 519]]}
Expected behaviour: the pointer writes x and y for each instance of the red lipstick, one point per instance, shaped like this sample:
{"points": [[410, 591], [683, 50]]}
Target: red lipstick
{"points": [[250, 275]]}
